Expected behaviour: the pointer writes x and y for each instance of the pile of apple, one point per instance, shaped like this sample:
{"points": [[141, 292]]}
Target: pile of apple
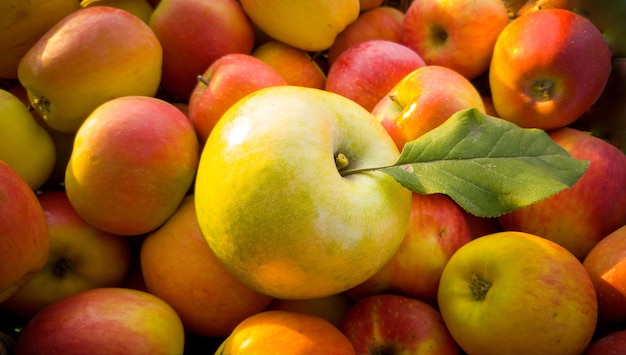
{"points": [[203, 176]]}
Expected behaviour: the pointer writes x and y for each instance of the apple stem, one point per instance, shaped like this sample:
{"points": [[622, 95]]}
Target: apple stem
{"points": [[479, 287], [203, 80], [341, 161], [544, 89]]}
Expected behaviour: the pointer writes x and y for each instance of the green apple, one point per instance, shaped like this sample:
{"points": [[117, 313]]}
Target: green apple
{"points": [[517, 293], [273, 205]]}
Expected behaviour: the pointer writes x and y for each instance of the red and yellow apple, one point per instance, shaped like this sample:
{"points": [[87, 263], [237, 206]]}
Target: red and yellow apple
{"points": [[180, 268], [81, 63], [457, 34], [133, 161], [548, 68], [295, 65], [367, 71]]}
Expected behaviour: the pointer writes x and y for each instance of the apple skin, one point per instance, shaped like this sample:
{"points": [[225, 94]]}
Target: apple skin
{"points": [[21, 25], [437, 228], [140, 8], [226, 81], [80, 63], [192, 43], [309, 25], [285, 139], [180, 268], [517, 293], [396, 324], [133, 161], [332, 308], [368, 70], [295, 65], [104, 320], [80, 258], [548, 81], [423, 100], [611, 343], [25, 238], [594, 204], [383, 22], [459, 35], [606, 265]]}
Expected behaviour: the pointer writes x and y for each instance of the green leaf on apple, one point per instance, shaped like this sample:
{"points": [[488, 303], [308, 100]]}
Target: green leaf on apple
{"points": [[489, 166]]}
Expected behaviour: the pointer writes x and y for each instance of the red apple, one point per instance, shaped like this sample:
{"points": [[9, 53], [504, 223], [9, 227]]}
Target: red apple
{"points": [[104, 321], [80, 258], [25, 239], [179, 267], [134, 160], [457, 34], [548, 68], [395, 324], [611, 343], [577, 218], [423, 100], [437, 228], [367, 71], [195, 33], [606, 264], [383, 22], [226, 81]]}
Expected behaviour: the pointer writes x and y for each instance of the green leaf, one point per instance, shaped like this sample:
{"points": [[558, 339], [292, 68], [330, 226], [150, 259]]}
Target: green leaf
{"points": [[489, 166]]}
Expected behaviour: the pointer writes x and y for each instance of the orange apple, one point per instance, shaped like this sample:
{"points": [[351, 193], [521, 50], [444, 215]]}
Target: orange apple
{"points": [[133, 161], [195, 33], [383, 22], [104, 321], [288, 333], [606, 264], [81, 63], [367, 71], [548, 68], [423, 100], [594, 204], [179, 267], [25, 239], [80, 258], [295, 65], [458, 34], [332, 308], [226, 81], [437, 228]]}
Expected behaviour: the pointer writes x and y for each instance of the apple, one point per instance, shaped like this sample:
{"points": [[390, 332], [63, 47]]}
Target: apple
{"points": [[382, 22], [606, 265], [437, 228], [594, 204], [140, 8], [227, 80], [25, 240], [309, 25], [21, 25], [195, 33], [181, 269], [24, 144], [611, 343], [534, 5], [292, 332], [548, 68], [332, 308], [133, 161], [104, 320], [272, 203], [295, 65], [423, 100], [368, 70], [517, 293], [80, 63], [459, 35], [396, 324], [80, 258]]}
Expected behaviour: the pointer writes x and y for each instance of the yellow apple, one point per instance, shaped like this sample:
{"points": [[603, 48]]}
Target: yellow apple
{"points": [[80, 63], [24, 144], [309, 25], [22, 23]]}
